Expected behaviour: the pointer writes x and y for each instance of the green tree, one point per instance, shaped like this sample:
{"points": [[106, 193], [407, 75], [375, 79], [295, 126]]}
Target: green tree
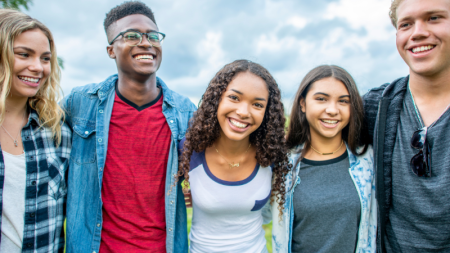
{"points": [[15, 4]]}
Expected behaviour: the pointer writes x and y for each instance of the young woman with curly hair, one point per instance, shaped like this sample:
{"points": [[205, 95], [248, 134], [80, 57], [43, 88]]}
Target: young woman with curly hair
{"points": [[235, 159], [35, 143], [330, 204]]}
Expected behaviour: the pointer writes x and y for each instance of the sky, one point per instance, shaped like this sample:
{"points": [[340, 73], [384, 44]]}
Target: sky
{"points": [[288, 37]]}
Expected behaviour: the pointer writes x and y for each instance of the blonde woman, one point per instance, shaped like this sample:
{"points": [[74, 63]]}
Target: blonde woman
{"points": [[34, 143]]}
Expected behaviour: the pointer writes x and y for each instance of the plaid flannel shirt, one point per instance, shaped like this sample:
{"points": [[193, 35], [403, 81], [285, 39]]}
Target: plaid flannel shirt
{"points": [[46, 188]]}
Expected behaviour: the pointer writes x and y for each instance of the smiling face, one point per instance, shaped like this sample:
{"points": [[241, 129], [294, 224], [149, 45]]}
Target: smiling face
{"points": [[423, 36], [142, 60], [327, 108], [242, 106], [31, 63]]}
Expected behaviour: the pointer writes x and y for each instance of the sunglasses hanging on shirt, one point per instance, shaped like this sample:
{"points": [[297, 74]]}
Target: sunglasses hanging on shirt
{"points": [[421, 162]]}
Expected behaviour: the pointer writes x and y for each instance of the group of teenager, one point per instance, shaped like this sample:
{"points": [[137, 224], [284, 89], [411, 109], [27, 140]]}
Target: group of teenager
{"points": [[115, 159]]}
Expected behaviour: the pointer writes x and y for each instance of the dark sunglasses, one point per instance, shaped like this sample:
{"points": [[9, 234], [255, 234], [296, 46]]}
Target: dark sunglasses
{"points": [[421, 162]]}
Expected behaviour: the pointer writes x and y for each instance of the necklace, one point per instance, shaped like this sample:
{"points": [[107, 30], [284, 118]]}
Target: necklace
{"points": [[232, 165], [15, 140], [328, 153]]}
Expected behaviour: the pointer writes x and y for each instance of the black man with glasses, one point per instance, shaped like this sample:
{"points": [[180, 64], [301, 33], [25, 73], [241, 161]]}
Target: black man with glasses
{"points": [[126, 132], [408, 122]]}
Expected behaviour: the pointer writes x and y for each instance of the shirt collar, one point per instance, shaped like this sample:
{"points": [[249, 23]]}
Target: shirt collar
{"points": [[34, 117]]}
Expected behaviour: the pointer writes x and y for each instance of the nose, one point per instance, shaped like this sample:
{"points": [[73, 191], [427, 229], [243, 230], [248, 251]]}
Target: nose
{"points": [[36, 65], [242, 110], [332, 109], [420, 30]]}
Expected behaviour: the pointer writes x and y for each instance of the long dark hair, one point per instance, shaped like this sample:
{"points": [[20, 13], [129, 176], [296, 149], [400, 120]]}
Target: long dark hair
{"points": [[268, 139], [298, 131]]}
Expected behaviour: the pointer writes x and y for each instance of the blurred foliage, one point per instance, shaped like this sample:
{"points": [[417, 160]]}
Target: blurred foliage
{"points": [[15, 4], [61, 62]]}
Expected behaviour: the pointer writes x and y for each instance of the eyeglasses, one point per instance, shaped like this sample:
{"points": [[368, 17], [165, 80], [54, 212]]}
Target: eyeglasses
{"points": [[134, 38], [420, 163]]}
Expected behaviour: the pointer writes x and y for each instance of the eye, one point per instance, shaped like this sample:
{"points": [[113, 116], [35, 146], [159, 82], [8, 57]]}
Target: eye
{"points": [[233, 97], [154, 36], [132, 36], [320, 99], [434, 18], [404, 25], [259, 105], [23, 54], [344, 101]]}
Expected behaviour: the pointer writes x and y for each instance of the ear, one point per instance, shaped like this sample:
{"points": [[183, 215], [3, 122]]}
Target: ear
{"points": [[302, 105], [110, 52]]}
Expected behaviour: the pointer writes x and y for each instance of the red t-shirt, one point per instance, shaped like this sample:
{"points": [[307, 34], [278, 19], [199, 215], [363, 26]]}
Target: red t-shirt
{"points": [[134, 178]]}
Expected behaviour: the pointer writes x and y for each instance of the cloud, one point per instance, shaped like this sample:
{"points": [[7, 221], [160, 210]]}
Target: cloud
{"points": [[288, 37]]}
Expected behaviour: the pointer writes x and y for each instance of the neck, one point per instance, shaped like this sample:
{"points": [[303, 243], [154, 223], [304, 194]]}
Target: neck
{"points": [[15, 106], [430, 88], [324, 146], [231, 147], [138, 91]]}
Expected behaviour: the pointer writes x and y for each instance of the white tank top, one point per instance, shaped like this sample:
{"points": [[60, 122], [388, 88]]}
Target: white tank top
{"points": [[13, 203], [227, 215]]}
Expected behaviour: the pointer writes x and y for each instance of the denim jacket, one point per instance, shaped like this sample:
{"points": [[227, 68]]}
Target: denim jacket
{"points": [[362, 174], [88, 113]]}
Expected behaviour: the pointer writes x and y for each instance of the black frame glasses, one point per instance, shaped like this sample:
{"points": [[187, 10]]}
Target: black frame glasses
{"points": [[150, 37], [421, 162]]}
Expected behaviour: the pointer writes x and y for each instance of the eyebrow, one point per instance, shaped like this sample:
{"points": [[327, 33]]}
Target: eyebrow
{"points": [[30, 50], [137, 30], [434, 12], [240, 93], [325, 94], [431, 12]]}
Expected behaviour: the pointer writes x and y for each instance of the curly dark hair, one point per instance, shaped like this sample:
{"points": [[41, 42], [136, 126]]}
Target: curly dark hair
{"points": [[268, 139], [127, 9]]}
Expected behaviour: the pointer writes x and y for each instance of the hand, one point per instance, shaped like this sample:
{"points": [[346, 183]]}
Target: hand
{"points": [[188, 198]]}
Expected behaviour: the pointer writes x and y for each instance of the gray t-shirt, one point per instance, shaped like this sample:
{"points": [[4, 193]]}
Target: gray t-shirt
{"points": [[327, 208], [419, 218]]}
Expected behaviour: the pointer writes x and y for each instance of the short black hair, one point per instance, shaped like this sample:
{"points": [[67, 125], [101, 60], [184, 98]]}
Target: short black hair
{"points": [[126, 9]]}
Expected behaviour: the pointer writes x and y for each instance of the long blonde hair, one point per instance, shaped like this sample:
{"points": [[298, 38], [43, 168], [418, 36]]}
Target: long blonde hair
{"points": [[45, 102]]}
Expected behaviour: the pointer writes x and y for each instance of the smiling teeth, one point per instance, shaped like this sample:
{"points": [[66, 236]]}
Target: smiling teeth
{"points": [[144, 56], [29, 79], [238, 124], [330, 121], [421, 49]]}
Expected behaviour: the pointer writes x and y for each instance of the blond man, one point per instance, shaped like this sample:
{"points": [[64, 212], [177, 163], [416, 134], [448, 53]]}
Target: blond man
{"points": [[409, 124]]}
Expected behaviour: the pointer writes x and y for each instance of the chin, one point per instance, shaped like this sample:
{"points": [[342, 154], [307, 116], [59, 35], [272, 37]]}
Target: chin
{"points": [[235, 136], [147, 72], [423, 71]]}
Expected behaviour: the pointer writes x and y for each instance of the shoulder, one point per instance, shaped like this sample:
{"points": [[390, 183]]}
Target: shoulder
{"points": [[295, 153], [196, 158], [372, 98], [91, 90], [385, 90], [364, 160]]}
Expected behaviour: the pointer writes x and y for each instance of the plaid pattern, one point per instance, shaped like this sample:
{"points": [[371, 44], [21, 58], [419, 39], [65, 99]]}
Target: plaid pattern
{"points": [[46, 188]]}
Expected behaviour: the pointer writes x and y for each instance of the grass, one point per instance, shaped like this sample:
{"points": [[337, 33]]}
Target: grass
{"points": [[267, 228]]}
